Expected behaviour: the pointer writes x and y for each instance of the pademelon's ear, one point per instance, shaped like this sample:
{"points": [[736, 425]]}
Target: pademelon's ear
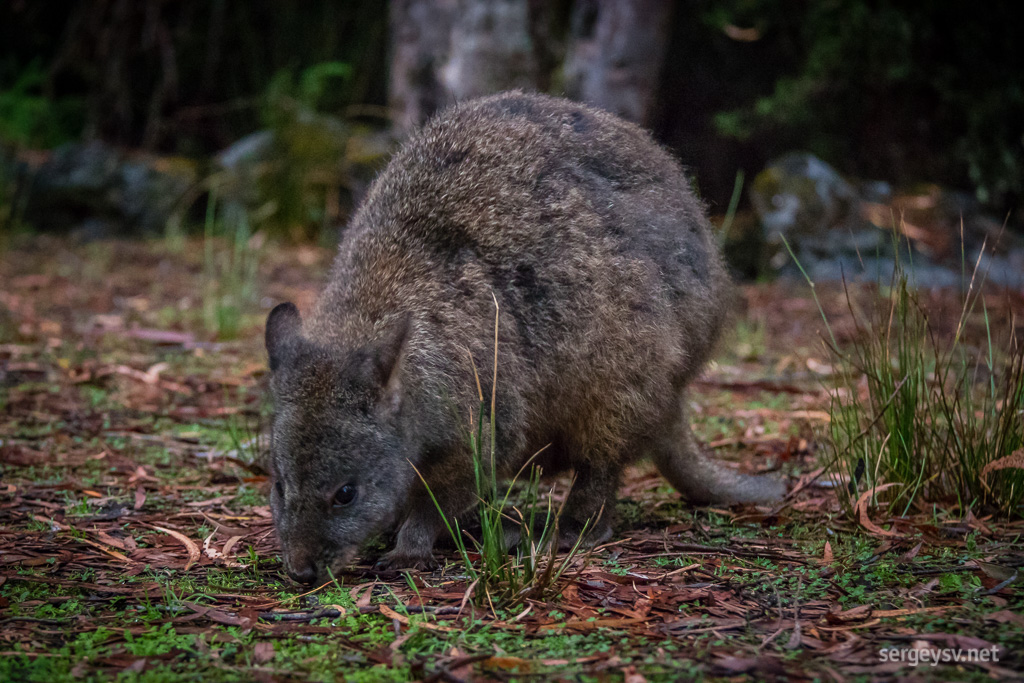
{"points": [[388, 356], [284, 328]]}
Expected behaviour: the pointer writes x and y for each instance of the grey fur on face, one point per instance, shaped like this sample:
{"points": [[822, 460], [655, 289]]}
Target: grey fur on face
{"points": [[612, 294]]}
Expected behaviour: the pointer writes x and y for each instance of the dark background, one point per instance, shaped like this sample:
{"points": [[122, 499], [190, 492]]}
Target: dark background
{"points": [[907, 92]]}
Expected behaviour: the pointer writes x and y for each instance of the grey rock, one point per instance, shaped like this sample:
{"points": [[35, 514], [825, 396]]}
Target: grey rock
{"points": [[275, 167], [250, 149], [840, 230], [876, 191], [800, 197], [98, 191]]}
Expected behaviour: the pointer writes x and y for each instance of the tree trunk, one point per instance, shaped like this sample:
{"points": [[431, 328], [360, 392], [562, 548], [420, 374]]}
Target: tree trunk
{"points": [[420, 39], [615, 55], [445, 51], [491, 49]]}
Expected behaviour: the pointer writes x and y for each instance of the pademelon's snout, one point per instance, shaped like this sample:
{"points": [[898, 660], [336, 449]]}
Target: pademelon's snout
{"points": [[304, 574], [301, 565], [313, 567]]}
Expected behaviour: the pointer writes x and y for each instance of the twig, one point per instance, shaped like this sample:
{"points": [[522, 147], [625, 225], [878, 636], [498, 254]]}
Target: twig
{"points": [[691, 548], [34, 620]]}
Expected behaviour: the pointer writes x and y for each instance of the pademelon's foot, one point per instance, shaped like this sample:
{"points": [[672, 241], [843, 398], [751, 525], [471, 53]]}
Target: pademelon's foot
{"points": [[573, 534], [586, 520], [514, 533], [398, 559], [414, 543]]}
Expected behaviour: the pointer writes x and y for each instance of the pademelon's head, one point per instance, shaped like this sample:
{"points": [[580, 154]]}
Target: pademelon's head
{"points": [[339, 467]]}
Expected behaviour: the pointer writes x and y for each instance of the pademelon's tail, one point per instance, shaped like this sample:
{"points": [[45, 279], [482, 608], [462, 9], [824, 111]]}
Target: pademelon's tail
{"points": [[704, 482], [701, 480]]}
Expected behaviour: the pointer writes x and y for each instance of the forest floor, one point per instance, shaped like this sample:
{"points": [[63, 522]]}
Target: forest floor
{"points": [[136, 542]]}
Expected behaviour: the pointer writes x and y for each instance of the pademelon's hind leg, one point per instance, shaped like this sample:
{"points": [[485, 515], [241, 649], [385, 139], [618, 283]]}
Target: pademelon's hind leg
{"points": [[586, 516], [700, 480], [589, 509]]}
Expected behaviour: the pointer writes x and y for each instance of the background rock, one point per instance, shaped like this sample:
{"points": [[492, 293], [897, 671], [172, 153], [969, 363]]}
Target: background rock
{"points": [[858, 230], [97, 191]]}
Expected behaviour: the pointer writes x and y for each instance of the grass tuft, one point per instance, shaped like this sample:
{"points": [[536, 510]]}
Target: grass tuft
{"points": [[923, 418], [231, 254], [503, 572]]}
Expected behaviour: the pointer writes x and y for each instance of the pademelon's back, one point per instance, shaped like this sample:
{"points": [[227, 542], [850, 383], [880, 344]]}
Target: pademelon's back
{"points": [[519, 183]]}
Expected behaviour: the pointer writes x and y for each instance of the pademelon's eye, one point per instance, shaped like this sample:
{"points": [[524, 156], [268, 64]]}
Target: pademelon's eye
{"points": [[278, 489], [345, 495]]}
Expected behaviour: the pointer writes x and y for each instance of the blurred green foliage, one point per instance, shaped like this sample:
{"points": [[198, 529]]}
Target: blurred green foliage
{"points": [[12, 183], [898, 90], [298, 175], [30, 117], [231, 256], [307, 159], [901, 91]]}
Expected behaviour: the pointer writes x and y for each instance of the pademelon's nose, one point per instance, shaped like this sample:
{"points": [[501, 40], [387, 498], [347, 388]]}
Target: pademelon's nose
{"points": [[303, 573]]}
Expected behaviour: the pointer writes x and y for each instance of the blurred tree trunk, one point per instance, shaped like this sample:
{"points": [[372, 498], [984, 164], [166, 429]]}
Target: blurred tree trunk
{"points": [[449, 50], [491, 49], [420, 36], [615, 55]]}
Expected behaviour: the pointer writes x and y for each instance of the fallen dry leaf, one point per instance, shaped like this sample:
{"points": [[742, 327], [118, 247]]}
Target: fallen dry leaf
{"points": [[190, 545], [263, 652], [1014, 460], [861, 510], [631, 675]]}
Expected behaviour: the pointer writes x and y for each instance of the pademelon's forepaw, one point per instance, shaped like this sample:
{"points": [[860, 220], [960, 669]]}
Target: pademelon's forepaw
{"points": [[398, 559]]}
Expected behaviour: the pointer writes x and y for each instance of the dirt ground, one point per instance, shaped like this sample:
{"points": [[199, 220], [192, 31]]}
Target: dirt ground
{"points": [[136, 542]]}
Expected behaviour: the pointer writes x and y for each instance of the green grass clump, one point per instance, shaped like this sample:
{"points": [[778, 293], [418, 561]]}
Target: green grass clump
{"points": [[231, 254], [501, 572], [938, 419]]}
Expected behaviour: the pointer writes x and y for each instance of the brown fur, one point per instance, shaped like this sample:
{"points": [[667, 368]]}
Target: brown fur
{"points": [[612, 294]]}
